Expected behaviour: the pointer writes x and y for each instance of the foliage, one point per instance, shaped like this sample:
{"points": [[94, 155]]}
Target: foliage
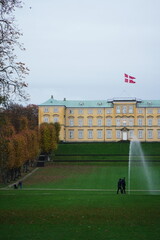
{"points": [[17, 113], [57, 130], [12, 71], [21, 141], [48, 138]]}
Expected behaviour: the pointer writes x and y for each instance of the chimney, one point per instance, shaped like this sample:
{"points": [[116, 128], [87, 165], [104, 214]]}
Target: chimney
{"points": [[64, 99], [52, 96]]}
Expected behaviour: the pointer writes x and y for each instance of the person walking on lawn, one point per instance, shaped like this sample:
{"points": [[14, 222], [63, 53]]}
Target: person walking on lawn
{"points": [[119, 186]]}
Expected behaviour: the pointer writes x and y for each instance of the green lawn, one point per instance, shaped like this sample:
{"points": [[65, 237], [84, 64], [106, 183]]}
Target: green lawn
{"points": [[69, 215], [92, 176], [74, 201]]}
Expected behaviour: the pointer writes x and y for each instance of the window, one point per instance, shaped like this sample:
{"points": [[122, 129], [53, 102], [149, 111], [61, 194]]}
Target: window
{"points": [[158, 132], [131, 133], [118, 134], [71, 121], [158, 122], [90, 134], [99, 134], [118, 122], [118, 110], [149, 110], [140, 110], [46, 109], [80, 134], [140, 121], [130, 109], [108, 134], [99, 121], [108, 110], [99, 111], [80, 122], [124, 122], [124, 109], [150, 120], [71, 111], [131, 121], [150, 133], [55, 119], [55, 109], [108, 122], [80, 111], [71, 134], [90, 111], [90, 122], [158, 110], [140, 134], [46, 119]]}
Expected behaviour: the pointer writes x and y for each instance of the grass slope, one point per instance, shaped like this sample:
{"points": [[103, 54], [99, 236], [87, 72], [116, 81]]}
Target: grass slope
{"points": [[120, 148]]}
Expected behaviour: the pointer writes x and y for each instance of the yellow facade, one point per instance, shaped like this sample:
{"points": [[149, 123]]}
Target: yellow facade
{"points": [[104, 121]]}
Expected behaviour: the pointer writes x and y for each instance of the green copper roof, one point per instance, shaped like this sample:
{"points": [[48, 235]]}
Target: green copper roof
{"points": [[77, 103], [98, 103], [149, 103]]}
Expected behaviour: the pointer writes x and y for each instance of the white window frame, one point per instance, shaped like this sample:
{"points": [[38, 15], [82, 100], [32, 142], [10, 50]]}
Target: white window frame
{"points": [[46, 110], [124, 122], [108, 133], [140, 134], [118, 121], [90, 134], [71, 122], [55, 119], [118, 134], [90, 111], [131, 133], [108, 122], [80, 134], [71, 134], [158, 110], [131, 121], [150, 110], [124, 109], [80, 111], [140, 121], [80, 122], [55, 110], [140, 110], [99, 134], [90, 122], [130, 109], [46, 119], [71, 111], [99, 111], [158, 121], [150, 121], [118, 109], [149, 133], [108, 110], [99, 122]]}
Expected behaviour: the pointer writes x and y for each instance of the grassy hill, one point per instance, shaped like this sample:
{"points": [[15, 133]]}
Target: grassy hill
{"points": [[118, 151]]}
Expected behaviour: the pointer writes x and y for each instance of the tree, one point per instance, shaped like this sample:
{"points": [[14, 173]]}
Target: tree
{"points": [[48, 139], [15, 113], [12, 72], [57, 129]]}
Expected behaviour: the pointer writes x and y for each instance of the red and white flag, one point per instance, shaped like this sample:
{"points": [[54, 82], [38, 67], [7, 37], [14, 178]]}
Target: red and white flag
{"points": [[129, 79]]}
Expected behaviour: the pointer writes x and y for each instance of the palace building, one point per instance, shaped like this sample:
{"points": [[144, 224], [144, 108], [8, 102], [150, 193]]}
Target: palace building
{"points": [[104, 120]]}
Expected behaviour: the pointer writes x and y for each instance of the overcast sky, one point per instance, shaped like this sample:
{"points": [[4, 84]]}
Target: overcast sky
{"points": [[80, 49]]}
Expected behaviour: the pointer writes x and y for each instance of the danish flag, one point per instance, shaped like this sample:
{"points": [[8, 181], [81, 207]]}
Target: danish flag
{"points": [[129, 79]]}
